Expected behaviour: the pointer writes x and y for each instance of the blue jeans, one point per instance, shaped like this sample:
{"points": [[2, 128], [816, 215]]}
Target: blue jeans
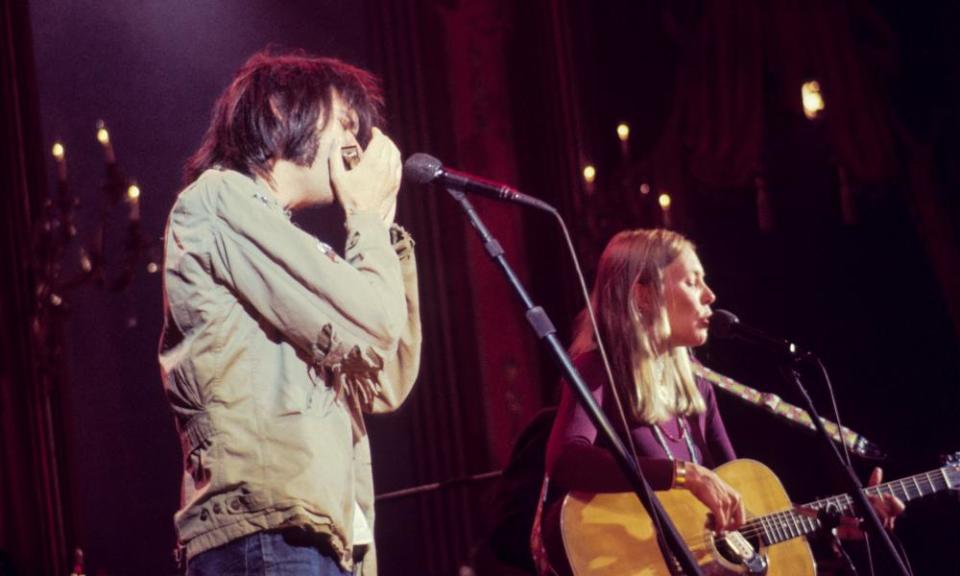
{"points": [[265, 554]]}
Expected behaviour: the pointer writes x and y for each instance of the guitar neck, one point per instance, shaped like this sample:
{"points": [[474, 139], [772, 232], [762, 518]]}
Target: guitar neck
{"points": [[782, 526]]}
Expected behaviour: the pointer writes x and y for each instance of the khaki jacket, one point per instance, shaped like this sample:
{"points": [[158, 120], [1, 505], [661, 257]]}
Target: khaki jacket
{"points": [[272, 347]]}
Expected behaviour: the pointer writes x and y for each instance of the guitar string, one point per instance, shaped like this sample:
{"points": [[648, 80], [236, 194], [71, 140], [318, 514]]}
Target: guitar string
{"points": [[787, 520], [774, 527], [790, 522]]}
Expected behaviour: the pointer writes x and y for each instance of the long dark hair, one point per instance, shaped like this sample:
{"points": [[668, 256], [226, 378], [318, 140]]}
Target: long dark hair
{"points": [[271, 109]]}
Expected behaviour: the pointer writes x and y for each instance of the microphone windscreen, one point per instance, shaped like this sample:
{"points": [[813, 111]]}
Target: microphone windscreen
{"points": [[421, 168], [723, 324]]}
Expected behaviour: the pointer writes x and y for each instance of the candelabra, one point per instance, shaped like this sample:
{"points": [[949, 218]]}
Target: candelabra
{"points": [[62, 264], [57, 231]]}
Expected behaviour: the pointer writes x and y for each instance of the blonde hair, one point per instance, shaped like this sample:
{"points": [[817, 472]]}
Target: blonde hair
{"points": [[633, 337]]}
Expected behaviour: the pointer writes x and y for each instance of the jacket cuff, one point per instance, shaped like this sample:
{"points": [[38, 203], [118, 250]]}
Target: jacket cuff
{"points": [[363, 220]]}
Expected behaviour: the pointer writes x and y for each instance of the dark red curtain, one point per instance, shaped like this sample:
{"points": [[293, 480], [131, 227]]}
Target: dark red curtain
{"points": [[465, 81], [737, 58], [32, 532], [734, 71]]}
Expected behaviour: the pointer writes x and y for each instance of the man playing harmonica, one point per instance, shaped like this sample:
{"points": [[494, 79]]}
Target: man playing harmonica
{"points": [[273, 345]]}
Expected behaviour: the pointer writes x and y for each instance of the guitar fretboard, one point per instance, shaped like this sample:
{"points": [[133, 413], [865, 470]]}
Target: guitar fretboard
{"points": [[781, 526]]}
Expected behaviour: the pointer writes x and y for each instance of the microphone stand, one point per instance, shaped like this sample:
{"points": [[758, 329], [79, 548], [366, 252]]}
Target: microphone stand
{"points": [[790, 373], [676, 554]]}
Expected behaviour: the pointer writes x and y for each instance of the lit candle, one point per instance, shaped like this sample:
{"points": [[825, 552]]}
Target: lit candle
{"points": [[589, 177], [133, 198], [623, 134], [103, 136], [59, 154], [664, 200], [812, 99]]}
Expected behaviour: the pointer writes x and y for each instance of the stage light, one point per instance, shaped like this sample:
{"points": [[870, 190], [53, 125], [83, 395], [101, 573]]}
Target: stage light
{"points": [[812, 99], [664, 200], [644, 188], [58, 151], [623, 131], [133, 192], [589, 173]]}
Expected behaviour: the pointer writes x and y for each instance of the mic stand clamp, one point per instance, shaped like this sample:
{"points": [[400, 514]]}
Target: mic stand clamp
{"points": [[675, 552], [857, 494]]}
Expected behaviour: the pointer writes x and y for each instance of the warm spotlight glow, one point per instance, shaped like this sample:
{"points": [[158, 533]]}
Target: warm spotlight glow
{"points": [[623, 131], [812, 99], [133, 192], [644, 188], [664, 200], [58, 151], [589, 173], [103, 136], [152, 268]]}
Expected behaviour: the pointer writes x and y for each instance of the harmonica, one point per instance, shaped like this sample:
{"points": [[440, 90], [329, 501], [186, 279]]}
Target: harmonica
{"points": [[351, 156]]}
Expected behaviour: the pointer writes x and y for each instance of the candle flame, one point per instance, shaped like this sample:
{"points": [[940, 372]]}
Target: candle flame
{"points": [[812, 99], [589, 173]]}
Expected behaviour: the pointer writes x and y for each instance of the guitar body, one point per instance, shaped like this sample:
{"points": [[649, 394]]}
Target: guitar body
{"points": [[612, 535]]}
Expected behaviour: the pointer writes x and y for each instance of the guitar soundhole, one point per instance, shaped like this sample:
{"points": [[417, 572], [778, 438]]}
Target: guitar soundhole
{"points": [[741, 552]]}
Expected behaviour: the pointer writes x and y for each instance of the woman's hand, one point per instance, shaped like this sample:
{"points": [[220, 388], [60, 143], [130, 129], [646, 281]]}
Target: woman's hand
{"points": [[887, 506], [722, 500]]}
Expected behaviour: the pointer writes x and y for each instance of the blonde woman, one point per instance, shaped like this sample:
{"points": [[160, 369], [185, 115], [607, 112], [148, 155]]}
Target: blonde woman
{"points": [[653, 304]]}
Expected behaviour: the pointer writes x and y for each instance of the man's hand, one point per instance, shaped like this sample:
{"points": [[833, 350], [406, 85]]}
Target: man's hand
{"points": [[722, 500], [373, 184]]}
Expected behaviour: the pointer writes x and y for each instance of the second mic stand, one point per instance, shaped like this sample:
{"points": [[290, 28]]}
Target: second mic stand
{"points": [[675, 552], [857, 493]]}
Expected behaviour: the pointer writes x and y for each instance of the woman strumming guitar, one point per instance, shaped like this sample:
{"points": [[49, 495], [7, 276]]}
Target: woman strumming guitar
{"points": [[652, 304]]}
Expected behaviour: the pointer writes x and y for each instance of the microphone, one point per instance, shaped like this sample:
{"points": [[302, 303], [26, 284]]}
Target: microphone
{"points": [[423, 169], [726, 326]]}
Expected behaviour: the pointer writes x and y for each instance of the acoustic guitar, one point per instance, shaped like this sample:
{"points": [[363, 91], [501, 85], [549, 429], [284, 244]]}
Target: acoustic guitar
{"points": [[612, 535]]}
